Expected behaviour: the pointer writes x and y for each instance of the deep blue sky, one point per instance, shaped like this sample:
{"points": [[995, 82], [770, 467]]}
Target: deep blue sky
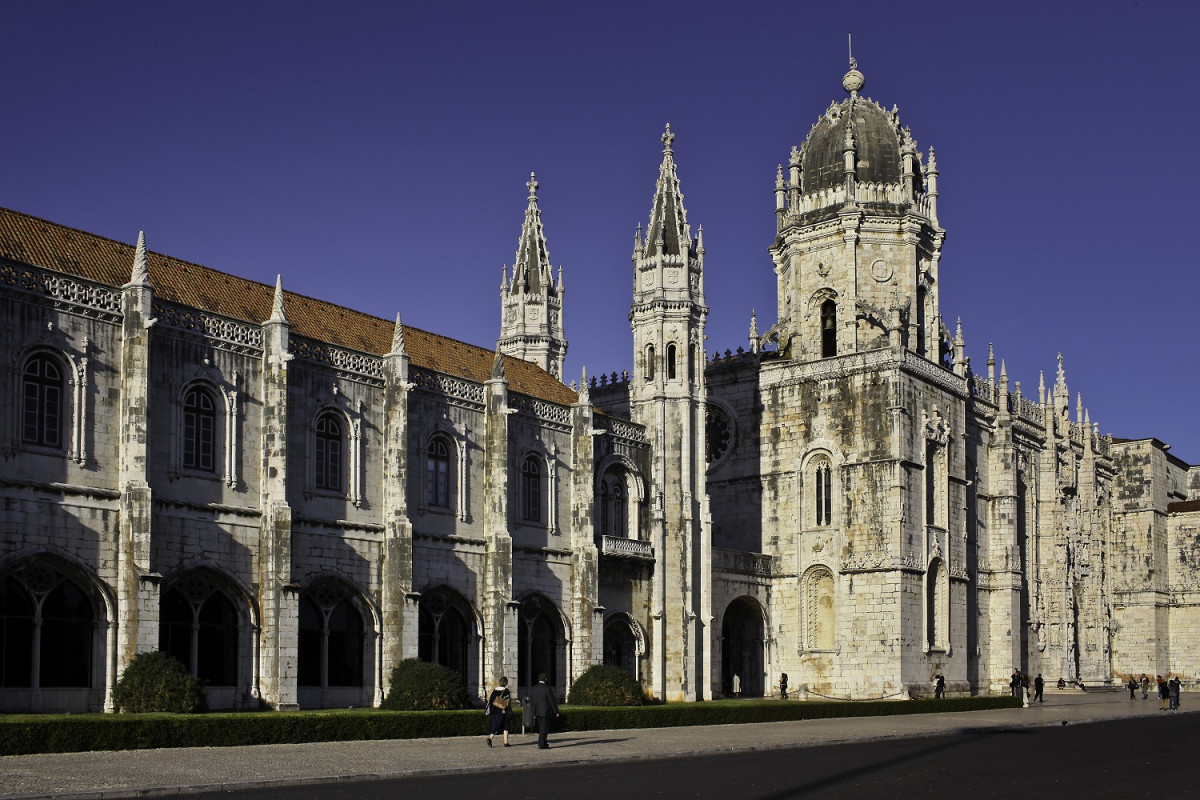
{"points": [[376, 155]]}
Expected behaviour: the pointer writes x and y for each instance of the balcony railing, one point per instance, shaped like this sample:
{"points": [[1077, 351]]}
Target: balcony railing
{"points": [[625, 548]]}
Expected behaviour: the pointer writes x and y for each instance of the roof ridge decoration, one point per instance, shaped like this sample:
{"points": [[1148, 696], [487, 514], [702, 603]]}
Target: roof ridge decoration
{"points": [[668, 217], [277, 314], [398, 338], [531, 267]]}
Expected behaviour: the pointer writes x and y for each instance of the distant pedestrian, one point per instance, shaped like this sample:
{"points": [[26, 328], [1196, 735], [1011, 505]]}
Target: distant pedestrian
{"points": [[1133, 687], [783, 686], [737, 685], [499, 711], [1014, 683], [1038, 686], [1164, 692], [1145, 685], [542, 704], [1173, 687], [939, 688]]}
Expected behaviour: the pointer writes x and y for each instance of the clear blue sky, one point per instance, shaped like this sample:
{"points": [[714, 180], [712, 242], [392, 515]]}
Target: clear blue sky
{"points": [[376, 155]]}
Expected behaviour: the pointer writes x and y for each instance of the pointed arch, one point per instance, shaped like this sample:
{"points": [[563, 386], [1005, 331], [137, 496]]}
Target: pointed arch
{"points": [[543, 633], [336, 636], [205, 621], [624, 642], [448, 629], [820, 604], [744, 637]]}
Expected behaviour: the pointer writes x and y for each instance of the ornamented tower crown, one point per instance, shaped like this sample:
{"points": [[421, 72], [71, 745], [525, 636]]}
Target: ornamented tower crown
{"points": [[856, 258], [531, 324]]}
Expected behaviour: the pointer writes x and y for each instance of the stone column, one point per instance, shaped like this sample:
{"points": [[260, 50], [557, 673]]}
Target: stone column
{"points": [[586, 617], [499, 620]]}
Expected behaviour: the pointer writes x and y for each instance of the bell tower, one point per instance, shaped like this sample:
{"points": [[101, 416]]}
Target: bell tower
{"points": [[667, 396], [531, 324], [858, 246]]}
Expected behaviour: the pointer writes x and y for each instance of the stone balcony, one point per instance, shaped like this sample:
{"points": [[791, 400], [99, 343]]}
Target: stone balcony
{"points": [[626, 548]]}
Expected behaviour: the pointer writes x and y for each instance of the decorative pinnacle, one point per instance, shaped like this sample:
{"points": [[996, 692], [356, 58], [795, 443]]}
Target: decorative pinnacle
{"points": [[585, 394], [532, 185], [141, 269], [277, 314], [667, 139], [853, 81], [498, 366], [398, 337]]}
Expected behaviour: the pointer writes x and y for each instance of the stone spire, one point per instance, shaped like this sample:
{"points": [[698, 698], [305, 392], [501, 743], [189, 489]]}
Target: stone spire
{"points": [[668, 219], [141, 270], [585, 393], [398, 338], [531, 324], [753, 331], [498, 366], [277, 314]]}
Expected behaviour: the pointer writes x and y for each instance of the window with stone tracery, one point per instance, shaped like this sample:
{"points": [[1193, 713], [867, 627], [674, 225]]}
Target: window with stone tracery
{"points": [[822, 473], [936, 609], [437, 473], [199, 430], [42, 400], [328, 448], [531, 489], [612, 512]]}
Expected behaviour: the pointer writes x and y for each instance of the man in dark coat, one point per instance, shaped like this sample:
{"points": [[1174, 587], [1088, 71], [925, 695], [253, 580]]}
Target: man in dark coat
{"points": [[542, 704]]}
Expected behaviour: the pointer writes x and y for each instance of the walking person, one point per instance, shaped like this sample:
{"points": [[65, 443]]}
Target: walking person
{"points": [[1173, 687], [939, 688], [1038, 686], [542, 704], [1164, 693], [499, 711], [1145, 685], [783, 686], [1132, 686]]}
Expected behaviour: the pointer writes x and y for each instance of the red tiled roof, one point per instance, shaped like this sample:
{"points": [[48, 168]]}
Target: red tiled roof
{"points": [[1182, 506], [39, 243]]}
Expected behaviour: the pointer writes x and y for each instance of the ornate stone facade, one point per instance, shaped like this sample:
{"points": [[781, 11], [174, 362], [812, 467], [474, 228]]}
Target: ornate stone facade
{"points": [[290, 496]]}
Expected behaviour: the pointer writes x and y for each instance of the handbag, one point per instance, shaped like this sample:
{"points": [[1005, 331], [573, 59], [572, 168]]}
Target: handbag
{"points": [[501, 702]]}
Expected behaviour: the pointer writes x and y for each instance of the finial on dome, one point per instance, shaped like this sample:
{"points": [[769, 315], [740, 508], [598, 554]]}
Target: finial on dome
{"points": [[532, 186], [853, 80], [667, 138]]}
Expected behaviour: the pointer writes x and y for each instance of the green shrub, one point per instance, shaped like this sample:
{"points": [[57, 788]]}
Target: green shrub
{"points": [[606, 686], [421, 686], [155, 681]]}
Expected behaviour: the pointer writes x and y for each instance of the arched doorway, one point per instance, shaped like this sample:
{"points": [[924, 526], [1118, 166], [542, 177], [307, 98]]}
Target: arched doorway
{"points": [[541, 645], [623, 644], [742, 648], [446, 633]]}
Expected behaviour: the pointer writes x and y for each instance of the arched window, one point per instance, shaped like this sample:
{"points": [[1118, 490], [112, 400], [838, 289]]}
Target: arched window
{"points": [[617, 496], [43, 402], [828, 328], [199, 627], [327, 455], [671, 359], [444, 632], [603, 508], [819, 609], [199, 430], [531, 489], [48, 621], [922, 295], [649, 363], [437, 473], [823, 493], [331, 640], [612, 504]]}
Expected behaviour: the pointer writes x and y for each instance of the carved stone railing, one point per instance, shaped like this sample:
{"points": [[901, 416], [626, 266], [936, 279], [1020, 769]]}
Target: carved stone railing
{"points": [[743, 563], [63, 288], [348, 361], [625, 548], [622, 429], [543, 410], [456, 388], [243, 336]]}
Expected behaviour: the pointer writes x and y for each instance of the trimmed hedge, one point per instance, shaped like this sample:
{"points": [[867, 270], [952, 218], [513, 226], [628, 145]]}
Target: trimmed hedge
{"points": [[423, 686], [154, 681], [606, 686], [28, 733]]}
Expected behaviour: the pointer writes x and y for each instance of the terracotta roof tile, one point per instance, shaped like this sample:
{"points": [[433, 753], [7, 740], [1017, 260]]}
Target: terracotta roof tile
{"points": [[1183, 506], [44, 244]]}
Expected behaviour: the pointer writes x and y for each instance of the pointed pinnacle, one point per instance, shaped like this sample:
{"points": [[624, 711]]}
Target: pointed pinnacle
{"points": [[667, 139], [398, 337], [585, 394], [141, 268], [277, 314], [532, 185], [498, 366]]}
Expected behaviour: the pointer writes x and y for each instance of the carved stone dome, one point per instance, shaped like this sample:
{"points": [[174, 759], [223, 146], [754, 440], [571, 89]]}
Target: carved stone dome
{"points": [[877, 140]]}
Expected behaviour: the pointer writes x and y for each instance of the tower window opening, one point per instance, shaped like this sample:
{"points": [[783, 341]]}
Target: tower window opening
{"points": [[671, 361], [649, 363], [828, 329]]}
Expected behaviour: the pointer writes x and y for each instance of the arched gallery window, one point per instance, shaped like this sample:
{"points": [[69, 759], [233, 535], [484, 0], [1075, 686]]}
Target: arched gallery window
{"points": [[540, 641], [42, 400], [612, 504], [199, 430], [671, 359], [199, 626], [331, 639], [531, 489], [444, 631], [328, 447], [437, 473], [46, 630], [828, 328], [649, 363]]}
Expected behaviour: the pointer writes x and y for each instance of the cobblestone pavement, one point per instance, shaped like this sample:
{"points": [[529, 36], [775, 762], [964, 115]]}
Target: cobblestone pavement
{"points": [[158, 773]]}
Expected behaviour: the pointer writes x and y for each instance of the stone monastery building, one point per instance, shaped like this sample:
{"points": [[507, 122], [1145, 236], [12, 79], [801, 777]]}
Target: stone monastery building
{"points": [[290, 496]]}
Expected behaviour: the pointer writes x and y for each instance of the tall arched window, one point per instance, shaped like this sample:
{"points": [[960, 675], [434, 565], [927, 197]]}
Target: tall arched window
{"points": [[935, 601], [823, 493], [828, 328], [612, 504], [922, 295], [617, 495], [199, 430], [42, 389], [437, 473], [672, 354], [327, 455], [603, 508], [649, 363], [531, 489]]}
